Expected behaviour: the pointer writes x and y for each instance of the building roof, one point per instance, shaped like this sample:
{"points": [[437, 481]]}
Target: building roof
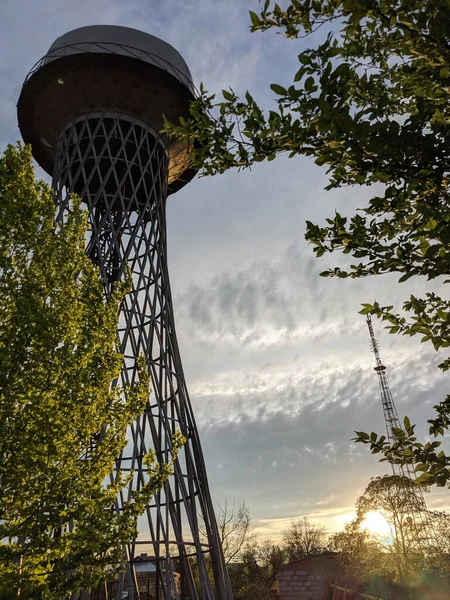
{"points": [[317, 558], [145, 564]]}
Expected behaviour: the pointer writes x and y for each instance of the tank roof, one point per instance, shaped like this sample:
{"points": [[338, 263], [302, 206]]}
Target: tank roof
{"points": [[107, 69], [124, 41]]}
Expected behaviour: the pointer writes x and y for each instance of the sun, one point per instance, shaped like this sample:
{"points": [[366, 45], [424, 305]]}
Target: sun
{"points": [[375, 523]]}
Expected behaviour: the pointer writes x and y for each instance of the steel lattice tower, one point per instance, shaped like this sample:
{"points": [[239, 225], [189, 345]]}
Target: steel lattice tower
{"points": [[389, 410], [92, 109], [392, 421]]}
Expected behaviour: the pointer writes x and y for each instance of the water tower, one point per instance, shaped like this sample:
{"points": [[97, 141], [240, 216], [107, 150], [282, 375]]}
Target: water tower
{"points": [[92, 109]]}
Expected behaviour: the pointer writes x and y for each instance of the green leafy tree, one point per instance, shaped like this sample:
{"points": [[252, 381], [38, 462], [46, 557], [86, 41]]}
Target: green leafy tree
{"points": [[369, 102], [359, 553], [440, 523], [410, 542], [414, 549], [62, 422]]}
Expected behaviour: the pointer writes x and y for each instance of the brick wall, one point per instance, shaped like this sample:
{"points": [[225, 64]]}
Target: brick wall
{"points": [[298, 585]]}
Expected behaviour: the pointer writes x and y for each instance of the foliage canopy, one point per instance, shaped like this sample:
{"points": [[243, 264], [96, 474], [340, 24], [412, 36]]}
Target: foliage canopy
{"points": [[62, 422], [414, 544], [370, 102]]}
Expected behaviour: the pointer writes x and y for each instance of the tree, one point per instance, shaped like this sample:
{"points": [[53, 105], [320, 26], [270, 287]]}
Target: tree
{"points": [[237, 536], [410, 543], [441, 527], [255, 577], [370, 101], [359, 553], [414, 550], [303, 538], [440, 524], [236, 532], [62, 422]]}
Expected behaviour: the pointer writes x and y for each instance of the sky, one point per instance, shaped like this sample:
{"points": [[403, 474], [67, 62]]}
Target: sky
{"points": [[276, 358]]}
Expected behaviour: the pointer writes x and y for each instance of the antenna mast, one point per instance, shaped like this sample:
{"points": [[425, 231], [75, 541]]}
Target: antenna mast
{"points": [[420, 515], [390, 412]]}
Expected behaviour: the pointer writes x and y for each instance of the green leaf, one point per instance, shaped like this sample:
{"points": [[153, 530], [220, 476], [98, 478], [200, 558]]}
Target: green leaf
{"points": [[421, 467], [321, 160], [423, 479], [254, 18], [366, 309], [228, 95], [309, 84], [278, 89], [298, 76], [304, 58]]}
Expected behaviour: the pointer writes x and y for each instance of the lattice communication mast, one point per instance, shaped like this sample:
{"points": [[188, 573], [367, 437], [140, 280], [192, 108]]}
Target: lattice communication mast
{"points": [[390, 412], [92, 110], [422, 536], [391, 416]]}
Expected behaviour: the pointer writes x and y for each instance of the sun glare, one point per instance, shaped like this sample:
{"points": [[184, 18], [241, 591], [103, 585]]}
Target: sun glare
{"points": [[376, 523]]}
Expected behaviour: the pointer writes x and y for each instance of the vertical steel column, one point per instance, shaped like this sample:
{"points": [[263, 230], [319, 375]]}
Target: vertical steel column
{"points": [[118, 165]]}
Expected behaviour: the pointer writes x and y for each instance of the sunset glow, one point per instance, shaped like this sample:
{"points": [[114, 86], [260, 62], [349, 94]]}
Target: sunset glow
{"points": [[376, 523]]}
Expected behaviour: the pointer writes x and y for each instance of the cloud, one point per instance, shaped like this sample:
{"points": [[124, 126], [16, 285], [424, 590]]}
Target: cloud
{"points": [[288, 452], [235, 304]]}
